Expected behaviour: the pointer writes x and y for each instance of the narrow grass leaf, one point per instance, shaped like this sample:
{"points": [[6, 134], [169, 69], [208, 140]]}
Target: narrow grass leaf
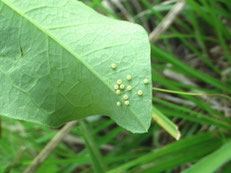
{"points": [[97, 159], [213, 161], [164, 122]]}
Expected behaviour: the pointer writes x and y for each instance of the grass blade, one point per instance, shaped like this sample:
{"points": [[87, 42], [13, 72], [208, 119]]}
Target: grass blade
{"points": [[157, 52], [195, 147], [98, 163], [212, 162], [164, 122]]}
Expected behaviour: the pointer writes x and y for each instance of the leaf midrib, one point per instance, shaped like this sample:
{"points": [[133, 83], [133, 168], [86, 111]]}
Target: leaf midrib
{"points": [[14, 9]]}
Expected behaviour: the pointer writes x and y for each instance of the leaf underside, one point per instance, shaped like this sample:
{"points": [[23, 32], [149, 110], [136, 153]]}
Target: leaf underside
{"points": [[55, 64]]}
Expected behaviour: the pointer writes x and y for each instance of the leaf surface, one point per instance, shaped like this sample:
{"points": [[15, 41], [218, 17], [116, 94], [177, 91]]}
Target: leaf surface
{"points": [[55, 64]]}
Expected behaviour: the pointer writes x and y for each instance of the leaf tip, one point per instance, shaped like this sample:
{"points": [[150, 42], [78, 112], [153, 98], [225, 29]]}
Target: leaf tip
{"points": [[178, 134]]}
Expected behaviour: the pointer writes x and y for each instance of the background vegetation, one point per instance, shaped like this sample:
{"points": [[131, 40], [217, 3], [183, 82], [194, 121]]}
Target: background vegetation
{"points": [[192, 55]]}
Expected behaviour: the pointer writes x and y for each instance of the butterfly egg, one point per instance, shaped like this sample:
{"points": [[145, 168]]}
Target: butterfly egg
{"points": [[118, 92], [126, 103], [122, 86], [118, 104], [125, 97], [113, 66], [129, 88], [116, 87], [119, 82], [129, 77], [145, 81], [140, 92]]}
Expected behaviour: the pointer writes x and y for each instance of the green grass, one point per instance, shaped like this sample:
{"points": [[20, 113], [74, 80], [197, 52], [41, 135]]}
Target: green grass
{"points": [[196, 46]]}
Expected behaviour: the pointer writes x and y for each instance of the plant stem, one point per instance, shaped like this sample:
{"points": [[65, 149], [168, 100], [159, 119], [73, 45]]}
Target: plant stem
{"points": [[191, 94], [167, 21], [49, 148]]}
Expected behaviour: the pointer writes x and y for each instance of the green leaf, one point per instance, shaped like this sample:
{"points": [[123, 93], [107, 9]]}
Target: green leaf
{"points": [[55, 64], [213, 161], [164, 122]]}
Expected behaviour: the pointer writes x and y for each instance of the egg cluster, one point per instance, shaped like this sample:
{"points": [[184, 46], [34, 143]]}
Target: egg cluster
{"points": [[120, 87]]}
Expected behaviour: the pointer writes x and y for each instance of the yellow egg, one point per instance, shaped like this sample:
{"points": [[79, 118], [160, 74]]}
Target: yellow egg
{"points": [[140, 92], [126, 103], [113, 66]]}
